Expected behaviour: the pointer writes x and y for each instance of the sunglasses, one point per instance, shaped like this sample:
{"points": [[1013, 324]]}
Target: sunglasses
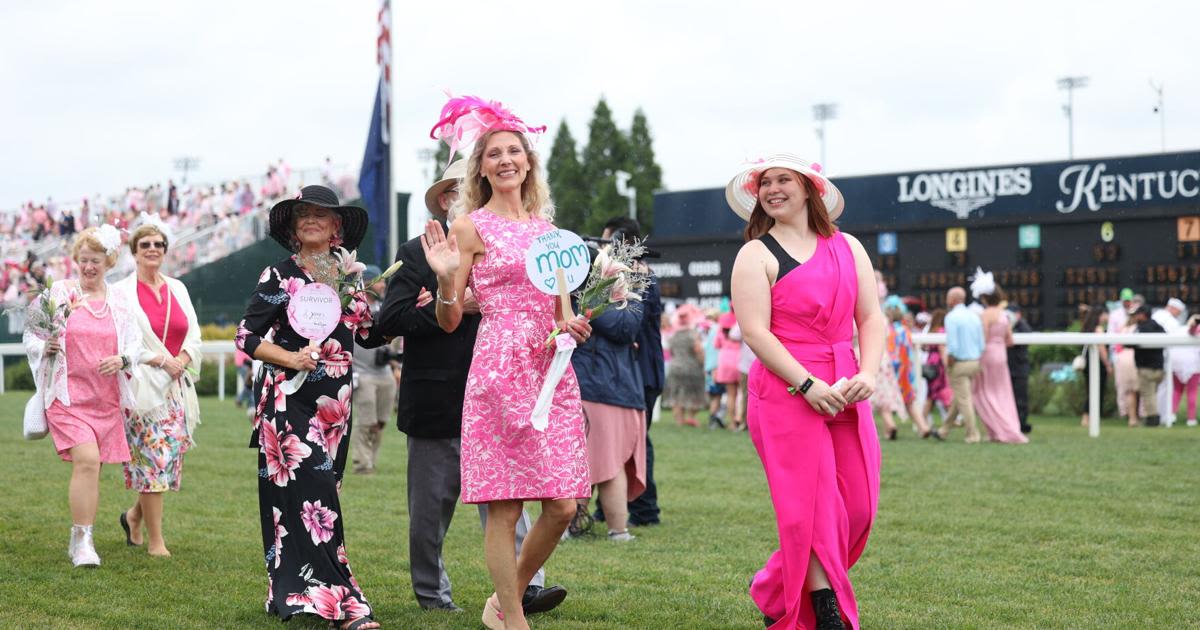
{"points": [[304, 212], [144, 245]]}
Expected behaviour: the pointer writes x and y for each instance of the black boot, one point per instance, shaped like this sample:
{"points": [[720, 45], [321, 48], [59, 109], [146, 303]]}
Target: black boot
{"points": [[825, 605]]}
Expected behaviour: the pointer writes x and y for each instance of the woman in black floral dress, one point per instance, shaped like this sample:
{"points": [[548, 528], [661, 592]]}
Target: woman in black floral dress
{"points": [[302, 435]]}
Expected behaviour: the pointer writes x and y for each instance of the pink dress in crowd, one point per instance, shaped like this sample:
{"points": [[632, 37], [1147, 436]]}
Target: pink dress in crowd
{"points": [[823, 472], [95, 412], [992, 391], [729, 352], [503, 456]]}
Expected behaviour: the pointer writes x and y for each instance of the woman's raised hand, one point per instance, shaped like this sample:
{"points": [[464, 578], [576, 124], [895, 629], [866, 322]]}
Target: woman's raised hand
{"points": [[440, 252], [53, 347]]}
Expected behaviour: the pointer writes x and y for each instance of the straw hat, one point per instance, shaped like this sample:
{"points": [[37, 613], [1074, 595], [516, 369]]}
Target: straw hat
{"points": [[456, 171], [742, 191]]}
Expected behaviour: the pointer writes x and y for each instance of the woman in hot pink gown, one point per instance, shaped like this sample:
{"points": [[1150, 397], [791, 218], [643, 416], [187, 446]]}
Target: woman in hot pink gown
{"points": [[800, 286], [992, 390]]}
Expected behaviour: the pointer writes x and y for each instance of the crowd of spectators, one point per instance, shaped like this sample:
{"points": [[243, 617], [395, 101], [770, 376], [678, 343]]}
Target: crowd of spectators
{"points": [[207, 221]]}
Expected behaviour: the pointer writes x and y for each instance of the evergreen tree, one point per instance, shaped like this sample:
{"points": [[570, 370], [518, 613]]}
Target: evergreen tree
{"points": [[439, 160], [567, 183], [647, 174], [605, 154]]}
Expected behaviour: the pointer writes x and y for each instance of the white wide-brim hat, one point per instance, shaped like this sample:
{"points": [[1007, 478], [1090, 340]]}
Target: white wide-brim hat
{"points": [[742, 191], [456, 171]]}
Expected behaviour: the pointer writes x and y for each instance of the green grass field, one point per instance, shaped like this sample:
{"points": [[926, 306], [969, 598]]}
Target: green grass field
{"points": [[1067, 532]]}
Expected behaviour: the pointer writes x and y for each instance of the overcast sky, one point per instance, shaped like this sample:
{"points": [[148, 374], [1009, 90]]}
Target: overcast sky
{"points": [[101, 95]]}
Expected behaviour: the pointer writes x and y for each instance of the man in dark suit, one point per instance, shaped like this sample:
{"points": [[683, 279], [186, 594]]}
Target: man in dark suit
{"points": [[432, 386], [1018, 368]]}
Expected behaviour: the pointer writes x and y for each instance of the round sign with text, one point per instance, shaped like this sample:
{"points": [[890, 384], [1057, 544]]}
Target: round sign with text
{"points": [[314, 311], [555, 250]]}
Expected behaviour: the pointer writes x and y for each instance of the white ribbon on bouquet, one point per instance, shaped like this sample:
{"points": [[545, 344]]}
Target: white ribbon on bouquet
{"points": [[564, 348]]}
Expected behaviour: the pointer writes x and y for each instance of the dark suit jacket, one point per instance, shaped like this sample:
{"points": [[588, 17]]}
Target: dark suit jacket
{"points": [[649, 338], [434, 378], [1018, 356]]}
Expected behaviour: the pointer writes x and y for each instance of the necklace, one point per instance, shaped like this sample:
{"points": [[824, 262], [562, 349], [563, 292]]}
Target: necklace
{"points": [[322, 267], [98, 314]]}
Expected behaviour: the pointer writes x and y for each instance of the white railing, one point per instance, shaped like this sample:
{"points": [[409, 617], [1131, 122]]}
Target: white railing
{"points": [[220, 351], [1145, 340]]}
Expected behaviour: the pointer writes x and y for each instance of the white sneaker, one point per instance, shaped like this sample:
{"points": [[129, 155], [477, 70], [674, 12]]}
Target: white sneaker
{"points": [[83, 552], [1191, 422], [621, 536]]}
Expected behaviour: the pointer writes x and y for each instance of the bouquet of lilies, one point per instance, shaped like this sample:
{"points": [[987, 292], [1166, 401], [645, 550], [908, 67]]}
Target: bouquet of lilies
{"points": [[353, 293], [613, 281], [46, 316], [349, 282]]}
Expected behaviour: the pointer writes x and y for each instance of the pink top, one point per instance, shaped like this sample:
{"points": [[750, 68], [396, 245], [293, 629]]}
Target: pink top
{"points": [[156, 311], [95, 412]]}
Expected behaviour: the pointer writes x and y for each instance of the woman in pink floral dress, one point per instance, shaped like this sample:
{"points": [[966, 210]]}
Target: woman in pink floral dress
{"points": [[303, 437], [505, 460]]}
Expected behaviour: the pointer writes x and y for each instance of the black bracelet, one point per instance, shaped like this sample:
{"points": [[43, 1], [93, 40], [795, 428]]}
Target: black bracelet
{"points": [[124, 362], [806, 385]]}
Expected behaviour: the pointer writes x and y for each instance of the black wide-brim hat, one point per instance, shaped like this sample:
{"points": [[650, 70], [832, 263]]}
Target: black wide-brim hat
{"points": [[354, 218]]}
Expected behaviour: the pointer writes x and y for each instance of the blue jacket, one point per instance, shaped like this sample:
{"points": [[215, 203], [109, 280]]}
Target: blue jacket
{"points": [[606, 365]]}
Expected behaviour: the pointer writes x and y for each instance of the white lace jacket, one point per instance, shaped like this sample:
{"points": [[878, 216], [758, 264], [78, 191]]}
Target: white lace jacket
{"points": [[154, 385], [50, 376]]}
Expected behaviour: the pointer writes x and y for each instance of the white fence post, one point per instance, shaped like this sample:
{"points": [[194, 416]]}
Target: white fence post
{"points": [[221, 376]]}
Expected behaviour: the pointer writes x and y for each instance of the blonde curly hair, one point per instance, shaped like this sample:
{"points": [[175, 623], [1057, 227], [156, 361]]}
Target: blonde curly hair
{"points": [[475, 191]]}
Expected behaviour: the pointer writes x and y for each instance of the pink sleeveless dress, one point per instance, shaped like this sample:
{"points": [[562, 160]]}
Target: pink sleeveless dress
{"points": [[503, 456], [823, 472], [992, 390], [95, 413]]}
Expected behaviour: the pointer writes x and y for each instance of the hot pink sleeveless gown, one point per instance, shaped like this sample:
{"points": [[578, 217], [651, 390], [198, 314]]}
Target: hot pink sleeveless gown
{"points": [[823, 472], [503, 456]]}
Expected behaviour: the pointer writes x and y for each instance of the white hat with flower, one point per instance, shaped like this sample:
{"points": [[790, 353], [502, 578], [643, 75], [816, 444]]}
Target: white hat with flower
{"points": [[742, 191]]}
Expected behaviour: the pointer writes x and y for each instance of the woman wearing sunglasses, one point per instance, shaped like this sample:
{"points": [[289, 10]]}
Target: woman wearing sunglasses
{"points": [[166, 409]]}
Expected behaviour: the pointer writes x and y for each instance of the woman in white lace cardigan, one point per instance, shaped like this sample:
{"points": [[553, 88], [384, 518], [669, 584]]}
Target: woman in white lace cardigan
{"points": [[83, 377], [166, 409]]}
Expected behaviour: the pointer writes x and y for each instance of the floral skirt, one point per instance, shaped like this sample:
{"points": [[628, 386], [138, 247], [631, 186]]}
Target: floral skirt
{"points": [[156, 449]]}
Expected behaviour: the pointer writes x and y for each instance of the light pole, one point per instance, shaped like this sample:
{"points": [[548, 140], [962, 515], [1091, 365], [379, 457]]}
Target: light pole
{"points": [[1162, 115], [1070, 84], [186, 164], [821, 113], [625, 190]]}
